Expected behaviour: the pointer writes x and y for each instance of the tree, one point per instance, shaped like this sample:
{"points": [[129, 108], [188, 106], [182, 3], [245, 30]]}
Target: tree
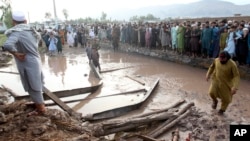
{"points": [[149, 17], [103, 17], [5, 8], [65, 13], [134, 18], [48, 15]]}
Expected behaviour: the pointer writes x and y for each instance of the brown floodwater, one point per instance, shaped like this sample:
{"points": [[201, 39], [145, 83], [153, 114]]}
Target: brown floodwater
{"points": [[71, 70]]}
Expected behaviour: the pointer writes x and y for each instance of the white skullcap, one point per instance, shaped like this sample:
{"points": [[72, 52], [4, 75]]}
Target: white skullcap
{"points": [[245, 29], [18, 16], [194, 25]]}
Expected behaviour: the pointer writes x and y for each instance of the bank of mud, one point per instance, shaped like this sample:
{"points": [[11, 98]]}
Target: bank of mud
{"points": [[171, 56]]}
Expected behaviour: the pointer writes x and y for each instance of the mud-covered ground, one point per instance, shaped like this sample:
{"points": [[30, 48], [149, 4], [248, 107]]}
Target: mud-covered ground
{"points": [[57, 125]]}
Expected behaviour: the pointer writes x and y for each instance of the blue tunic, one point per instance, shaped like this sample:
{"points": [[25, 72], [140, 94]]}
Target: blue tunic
{"points": [[22, 39]]}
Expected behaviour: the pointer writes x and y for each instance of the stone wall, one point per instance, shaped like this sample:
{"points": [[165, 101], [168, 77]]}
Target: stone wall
{"points": [[203, 63]]}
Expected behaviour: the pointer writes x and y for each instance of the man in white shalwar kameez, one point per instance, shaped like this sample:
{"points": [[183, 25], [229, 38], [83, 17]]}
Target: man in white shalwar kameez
{"points": [[70, 38]]}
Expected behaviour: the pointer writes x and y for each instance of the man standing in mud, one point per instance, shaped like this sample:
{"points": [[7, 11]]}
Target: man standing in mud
{"points": [[22, 43], [95, 55], [225, 81], [115, 37]]}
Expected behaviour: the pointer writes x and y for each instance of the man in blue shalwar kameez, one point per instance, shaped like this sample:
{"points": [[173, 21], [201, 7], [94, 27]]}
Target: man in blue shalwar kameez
{"points": [[22, 43]]}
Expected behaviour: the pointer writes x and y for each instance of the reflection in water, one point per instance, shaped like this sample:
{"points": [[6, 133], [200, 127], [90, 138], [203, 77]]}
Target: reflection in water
{"points": [[66, 72], [58, 66], [73, 60]]}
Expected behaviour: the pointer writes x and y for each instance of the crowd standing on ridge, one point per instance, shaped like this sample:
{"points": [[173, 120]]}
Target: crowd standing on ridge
{"points": [[191, 38]]}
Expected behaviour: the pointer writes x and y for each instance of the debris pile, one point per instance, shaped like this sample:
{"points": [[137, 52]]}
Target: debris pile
{"points": [[55, 125]]}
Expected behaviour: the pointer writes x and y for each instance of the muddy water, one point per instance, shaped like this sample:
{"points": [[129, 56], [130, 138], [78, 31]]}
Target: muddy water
{"points": [[72, 70]]}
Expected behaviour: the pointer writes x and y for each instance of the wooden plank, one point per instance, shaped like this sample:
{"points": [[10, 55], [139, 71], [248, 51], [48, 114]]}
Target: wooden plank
{"points": [[122, 93], [9, 72], [59, 102], [143, 83], [115, 69], [67, 93], [121, 110], [94, 69]]}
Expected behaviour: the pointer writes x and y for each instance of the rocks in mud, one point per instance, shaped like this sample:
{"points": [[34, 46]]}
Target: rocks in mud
{"points": [[4, 58], [206, 127], [55, 124], [5, 97], [2, 118], [39, 130]]}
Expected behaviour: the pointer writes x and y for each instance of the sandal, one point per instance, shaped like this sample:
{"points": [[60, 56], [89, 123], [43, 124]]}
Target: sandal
{"points": [[40, 110]]}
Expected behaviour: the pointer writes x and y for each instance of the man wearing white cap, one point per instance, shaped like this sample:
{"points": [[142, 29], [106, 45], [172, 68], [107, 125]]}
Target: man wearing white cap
{"points": [[22, 42]]}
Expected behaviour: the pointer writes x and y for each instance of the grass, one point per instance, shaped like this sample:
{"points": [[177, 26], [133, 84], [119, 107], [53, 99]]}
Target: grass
{"points": [[3, 38]]}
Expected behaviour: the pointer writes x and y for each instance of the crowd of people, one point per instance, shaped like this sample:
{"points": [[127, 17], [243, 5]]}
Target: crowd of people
{"points": [[191, 38]]}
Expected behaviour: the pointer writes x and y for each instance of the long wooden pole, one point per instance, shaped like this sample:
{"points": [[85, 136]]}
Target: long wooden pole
{"points": [[9, 72], [162, 110], [122, 93], [143, 83], [60, 103], [115, 69]]}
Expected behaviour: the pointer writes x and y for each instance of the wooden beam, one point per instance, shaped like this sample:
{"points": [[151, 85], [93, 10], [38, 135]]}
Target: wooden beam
{"points": [[67, 93], [143, 83], [97, 74], [162, 110], [122, 93], [9, 72], [115, 69], [60, 103]]}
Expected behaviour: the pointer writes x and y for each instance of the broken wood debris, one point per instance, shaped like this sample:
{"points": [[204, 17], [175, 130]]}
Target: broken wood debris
{"points": [[171, 117], [176, 117]]}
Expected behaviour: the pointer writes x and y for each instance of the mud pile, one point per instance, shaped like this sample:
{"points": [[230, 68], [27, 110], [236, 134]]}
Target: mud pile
{"points": [[55, 125]]}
